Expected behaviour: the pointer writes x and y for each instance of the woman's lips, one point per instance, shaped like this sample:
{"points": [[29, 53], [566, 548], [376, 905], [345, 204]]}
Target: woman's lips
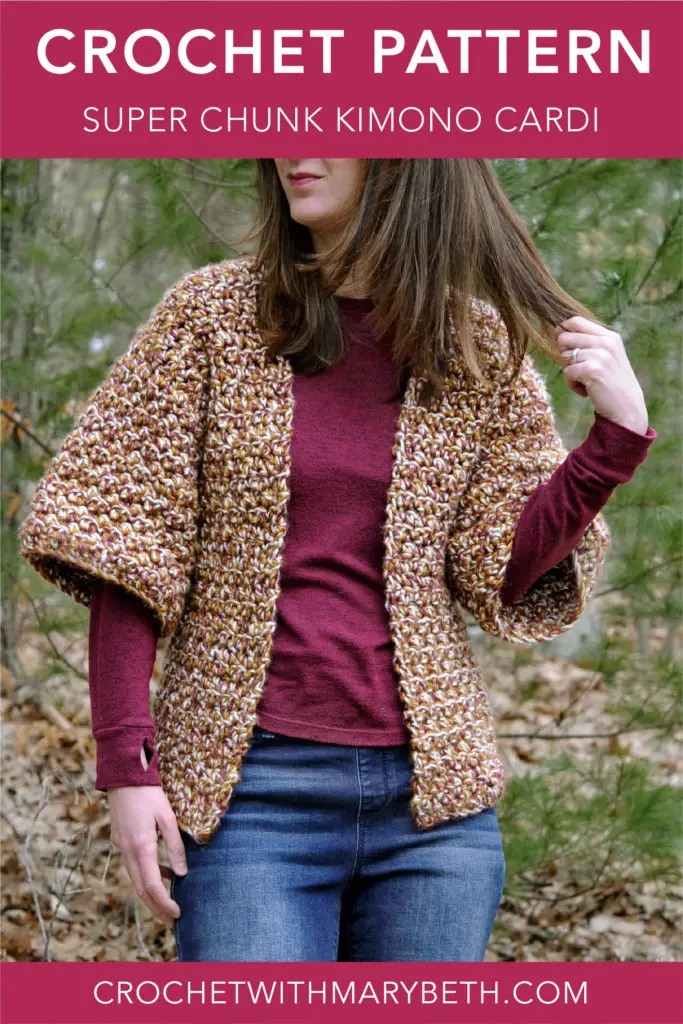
{"points": [[304, 181]]}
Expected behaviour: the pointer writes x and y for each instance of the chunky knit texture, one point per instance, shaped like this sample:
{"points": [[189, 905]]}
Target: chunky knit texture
{"points": [[174, 484]]}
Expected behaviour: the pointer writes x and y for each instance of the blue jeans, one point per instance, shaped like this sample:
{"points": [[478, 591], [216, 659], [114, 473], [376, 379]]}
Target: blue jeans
{"points": [[317, 858]]}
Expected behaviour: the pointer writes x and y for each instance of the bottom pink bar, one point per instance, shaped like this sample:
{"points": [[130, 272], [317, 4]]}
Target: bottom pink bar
{"points": [[593, 993]]}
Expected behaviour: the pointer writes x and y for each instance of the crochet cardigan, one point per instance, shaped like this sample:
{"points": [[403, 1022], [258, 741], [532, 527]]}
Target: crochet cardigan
{"points": [[122, 637], [173, 483]]}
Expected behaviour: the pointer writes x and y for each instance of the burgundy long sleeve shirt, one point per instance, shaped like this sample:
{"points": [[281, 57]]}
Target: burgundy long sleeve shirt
{"points": [[331, 676]]}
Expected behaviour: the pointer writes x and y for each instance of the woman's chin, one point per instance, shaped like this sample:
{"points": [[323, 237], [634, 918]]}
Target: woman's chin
{"points": [[309, 215]]}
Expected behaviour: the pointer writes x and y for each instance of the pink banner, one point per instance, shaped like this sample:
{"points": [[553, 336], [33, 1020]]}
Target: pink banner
{"points": [[594, 993], [239, 79]]}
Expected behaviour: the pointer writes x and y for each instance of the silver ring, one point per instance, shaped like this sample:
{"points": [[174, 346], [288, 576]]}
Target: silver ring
{"points": [[575, 355]]}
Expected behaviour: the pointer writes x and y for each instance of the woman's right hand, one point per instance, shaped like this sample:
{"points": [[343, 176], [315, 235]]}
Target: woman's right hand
{"points": [[136, 814]]}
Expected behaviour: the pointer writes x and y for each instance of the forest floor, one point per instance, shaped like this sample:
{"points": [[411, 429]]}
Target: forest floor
{"points": [[66, 895]]}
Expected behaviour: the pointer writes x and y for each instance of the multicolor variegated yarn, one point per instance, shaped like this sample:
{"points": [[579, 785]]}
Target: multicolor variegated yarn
{"points": [[174, 484]]}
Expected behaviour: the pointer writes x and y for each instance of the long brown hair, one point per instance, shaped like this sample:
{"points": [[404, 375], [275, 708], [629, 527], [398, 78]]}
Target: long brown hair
{"points": [[425, 235]]}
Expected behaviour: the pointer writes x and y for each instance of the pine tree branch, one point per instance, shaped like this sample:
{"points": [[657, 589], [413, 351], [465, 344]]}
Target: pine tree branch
{"points": [[94, 276], [575, 165], [197, 215], [29, 433], [102, 212], [645, 277], [203, 179], [48, 636]]}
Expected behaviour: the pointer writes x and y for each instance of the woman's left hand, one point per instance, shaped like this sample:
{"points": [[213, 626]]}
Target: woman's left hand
{"points": [[602, 372]]}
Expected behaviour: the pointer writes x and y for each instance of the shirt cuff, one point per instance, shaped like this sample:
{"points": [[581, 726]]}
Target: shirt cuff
{"points": [[119, 758], [613, 450]]}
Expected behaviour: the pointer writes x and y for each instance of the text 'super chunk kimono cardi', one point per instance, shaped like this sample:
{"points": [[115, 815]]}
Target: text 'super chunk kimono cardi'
{"points": [[174, 482]]}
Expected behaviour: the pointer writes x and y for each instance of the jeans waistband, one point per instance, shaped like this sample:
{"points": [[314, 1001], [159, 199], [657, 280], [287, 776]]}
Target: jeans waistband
{"points": [[376, 774]]}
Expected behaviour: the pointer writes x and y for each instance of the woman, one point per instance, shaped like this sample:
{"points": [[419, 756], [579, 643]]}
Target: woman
{"points": [[306, 464]]}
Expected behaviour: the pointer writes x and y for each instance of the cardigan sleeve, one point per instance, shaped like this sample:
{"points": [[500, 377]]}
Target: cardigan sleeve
{"points": [[119, 500], [519, 450]]}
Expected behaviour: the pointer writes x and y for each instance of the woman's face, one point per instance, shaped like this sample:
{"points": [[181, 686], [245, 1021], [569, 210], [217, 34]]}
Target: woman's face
{"points": [[321, 193]]}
